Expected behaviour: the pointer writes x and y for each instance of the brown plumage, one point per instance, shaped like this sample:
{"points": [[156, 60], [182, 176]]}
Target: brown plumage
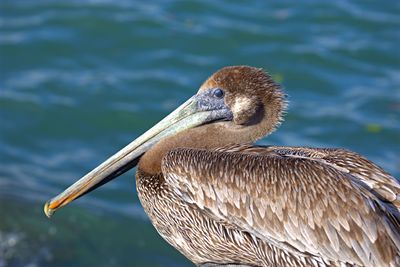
{"points": [[220, 200]]}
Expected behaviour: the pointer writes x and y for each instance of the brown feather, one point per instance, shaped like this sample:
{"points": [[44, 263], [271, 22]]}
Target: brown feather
{"points": [[272, 174], [218, 199]]}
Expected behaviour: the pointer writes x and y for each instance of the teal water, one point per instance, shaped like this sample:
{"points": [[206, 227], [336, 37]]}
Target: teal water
{"points": [[80, 79]]}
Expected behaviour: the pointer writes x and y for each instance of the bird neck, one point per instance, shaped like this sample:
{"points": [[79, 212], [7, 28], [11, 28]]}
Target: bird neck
{"points": [[208, 136]]}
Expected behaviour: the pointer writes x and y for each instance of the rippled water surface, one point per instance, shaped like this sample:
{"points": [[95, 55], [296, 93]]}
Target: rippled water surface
{"points": [[80, 79]]}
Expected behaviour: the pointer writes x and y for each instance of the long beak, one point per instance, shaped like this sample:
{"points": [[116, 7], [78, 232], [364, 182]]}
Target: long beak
{"points": [[186, 116]]}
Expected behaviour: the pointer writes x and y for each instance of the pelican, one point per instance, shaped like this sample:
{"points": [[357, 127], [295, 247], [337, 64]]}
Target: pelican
{"points": [[221, 200]]}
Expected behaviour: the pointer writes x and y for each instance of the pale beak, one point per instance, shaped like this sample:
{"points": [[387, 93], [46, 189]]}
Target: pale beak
{"points": [[190, 114]]}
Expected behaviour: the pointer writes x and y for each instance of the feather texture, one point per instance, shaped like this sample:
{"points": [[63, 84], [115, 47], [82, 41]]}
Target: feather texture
{"points": [[330, 203]]}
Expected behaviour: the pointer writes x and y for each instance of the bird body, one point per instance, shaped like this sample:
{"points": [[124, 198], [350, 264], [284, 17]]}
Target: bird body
{"points": [[317, 221], [223, 201]]}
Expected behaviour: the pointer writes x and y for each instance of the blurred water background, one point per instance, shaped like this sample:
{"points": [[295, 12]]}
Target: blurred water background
{"points": [[80, 79]]}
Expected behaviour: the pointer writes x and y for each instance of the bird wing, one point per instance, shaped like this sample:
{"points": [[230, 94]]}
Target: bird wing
{"points": [[363, 171], [324, 202]]}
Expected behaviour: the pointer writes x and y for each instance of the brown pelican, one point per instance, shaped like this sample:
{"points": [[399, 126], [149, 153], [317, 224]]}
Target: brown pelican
{"points": [[221, 200]]}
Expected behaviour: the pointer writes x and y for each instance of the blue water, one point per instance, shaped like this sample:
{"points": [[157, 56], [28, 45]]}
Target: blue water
{"points": [[80, 79]]}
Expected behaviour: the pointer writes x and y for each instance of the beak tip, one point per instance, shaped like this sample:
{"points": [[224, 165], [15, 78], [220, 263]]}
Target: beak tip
{"points": [[47, 210]]}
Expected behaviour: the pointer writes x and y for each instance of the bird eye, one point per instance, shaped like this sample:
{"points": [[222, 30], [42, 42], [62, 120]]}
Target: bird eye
{"points": [[219, 93]]}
